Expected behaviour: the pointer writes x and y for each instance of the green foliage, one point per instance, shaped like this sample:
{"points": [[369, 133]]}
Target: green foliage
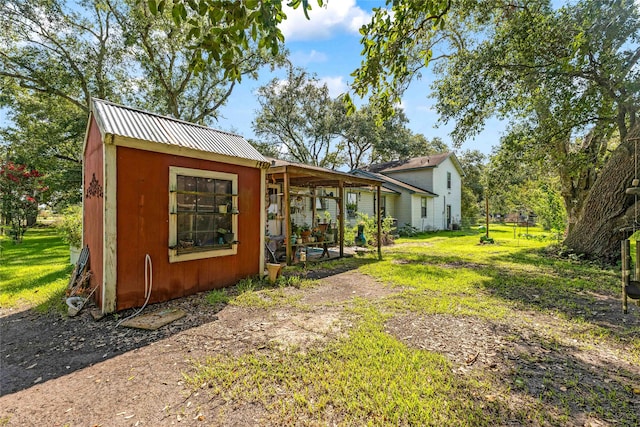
{"points": [[370, 229], [408, 230], [299, 119], [220, 31], [218, 296], [55, 55], [20, 189], [70, 226], [395, 49], [36, 272]]}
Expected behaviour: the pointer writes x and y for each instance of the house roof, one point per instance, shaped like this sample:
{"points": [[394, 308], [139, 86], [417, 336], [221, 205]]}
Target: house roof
{"points": [[392, 182], [414, 163], [302, 175], [141, 125]]}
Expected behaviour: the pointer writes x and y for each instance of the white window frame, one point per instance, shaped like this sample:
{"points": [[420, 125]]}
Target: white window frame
{"points": [[174, 256], [424, 207]]}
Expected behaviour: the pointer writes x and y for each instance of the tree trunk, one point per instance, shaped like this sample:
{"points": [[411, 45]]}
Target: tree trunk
{"points": [[608, 214]]}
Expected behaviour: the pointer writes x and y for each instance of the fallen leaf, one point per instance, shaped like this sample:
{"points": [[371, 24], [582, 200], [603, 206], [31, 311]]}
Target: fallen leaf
{"points": [[636, 390]]}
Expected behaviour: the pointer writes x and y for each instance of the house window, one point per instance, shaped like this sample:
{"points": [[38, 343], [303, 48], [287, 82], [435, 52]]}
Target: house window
{"points": [[383, 206], [203, 214], [449, 180], [423, 207], [352, 204]]}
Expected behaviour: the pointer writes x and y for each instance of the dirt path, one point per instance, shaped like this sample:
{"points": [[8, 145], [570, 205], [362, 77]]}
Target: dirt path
{"points": [[80, 372], [89, 373]]}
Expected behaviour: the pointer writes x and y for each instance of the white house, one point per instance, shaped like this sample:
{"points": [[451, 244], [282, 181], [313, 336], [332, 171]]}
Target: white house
{"points": [[424, 192]]}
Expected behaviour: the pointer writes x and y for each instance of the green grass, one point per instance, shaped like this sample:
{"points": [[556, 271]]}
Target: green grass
{"points": [[369, 377], [34, 273]]}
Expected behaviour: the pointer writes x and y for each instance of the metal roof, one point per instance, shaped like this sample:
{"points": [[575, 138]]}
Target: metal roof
{"points": [[414, 163], [142, 125]]}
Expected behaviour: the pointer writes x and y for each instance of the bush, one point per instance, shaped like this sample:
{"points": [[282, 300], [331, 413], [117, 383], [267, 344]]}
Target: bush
{"points": [[70, 226]]}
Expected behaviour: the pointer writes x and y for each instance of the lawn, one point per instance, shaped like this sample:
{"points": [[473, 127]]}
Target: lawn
{"points": [[372, 377], [34, 273]]}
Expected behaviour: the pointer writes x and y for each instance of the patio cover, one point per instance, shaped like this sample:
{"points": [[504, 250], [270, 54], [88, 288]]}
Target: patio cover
{"points": [[300, 175]]}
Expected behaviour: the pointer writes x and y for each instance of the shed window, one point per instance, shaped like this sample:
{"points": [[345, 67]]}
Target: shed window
{"points": [[203, 212], [449, 180], [423, 207]]}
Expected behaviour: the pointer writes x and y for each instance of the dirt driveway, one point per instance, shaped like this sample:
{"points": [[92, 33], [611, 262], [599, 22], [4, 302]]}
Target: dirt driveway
{"points": [[81, 372]]}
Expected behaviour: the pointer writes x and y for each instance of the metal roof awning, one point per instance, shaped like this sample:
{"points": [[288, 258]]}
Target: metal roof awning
{"points": [[300, 175]]}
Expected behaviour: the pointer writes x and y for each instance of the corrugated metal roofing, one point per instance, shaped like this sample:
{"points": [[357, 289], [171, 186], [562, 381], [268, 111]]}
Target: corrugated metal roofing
{"points": [[128, 122]]}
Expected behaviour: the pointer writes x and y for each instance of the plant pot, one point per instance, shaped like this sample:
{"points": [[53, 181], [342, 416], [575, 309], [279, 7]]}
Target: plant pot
{"points": [[222, 208], [274, 271]]}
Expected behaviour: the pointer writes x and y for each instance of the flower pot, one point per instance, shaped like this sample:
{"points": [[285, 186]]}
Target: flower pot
{"points": [[274, 271], [222, 208], [74, 254]]}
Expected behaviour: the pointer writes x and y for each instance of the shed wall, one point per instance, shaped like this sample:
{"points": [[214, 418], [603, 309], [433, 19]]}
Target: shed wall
{"points": [[143, 228], [93, 206]]}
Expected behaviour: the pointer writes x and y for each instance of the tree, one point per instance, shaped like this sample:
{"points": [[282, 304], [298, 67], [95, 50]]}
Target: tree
{"points": [[220, 31], [56, 54], [300, 119], [19, 192], [569, 74], [168, 83], [472, 163], [609, 214]]}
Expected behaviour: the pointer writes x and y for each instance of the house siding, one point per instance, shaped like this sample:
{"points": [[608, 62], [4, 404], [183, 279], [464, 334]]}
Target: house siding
{"points": [[421, 178], [447, 196]]}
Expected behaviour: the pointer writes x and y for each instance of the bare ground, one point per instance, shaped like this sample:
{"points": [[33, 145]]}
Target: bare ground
{"points": [[80, 372]]}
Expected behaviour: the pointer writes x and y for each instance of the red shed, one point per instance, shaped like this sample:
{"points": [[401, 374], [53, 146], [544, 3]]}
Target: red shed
{"points": [[182, 200]]}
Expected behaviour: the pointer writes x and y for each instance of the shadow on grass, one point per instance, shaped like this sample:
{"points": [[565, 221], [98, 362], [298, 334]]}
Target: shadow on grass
{"points": [[323, 269], [567, 386], [535, 379], [579, 292], [39, 282]]}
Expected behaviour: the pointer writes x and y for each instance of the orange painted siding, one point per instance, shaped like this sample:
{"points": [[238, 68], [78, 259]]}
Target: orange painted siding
{"points": [[143, 228], [93, 206]]}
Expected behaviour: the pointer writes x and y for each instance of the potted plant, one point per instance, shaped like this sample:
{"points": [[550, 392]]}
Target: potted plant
{"points": [[305, 232], [70, 228]]}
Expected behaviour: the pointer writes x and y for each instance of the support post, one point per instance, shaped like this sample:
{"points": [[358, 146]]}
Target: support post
{"points": [[287, 217], [341, 216], [626, 271], [379, 212], [486, 214], [636, 276]]}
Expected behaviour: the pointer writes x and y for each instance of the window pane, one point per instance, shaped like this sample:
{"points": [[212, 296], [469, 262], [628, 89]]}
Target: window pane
{"points": [[186, 183], [206, 185], [223, 187], [186, 202], [206, 204]]}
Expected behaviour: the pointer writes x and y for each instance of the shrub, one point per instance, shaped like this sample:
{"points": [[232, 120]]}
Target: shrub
{"points": [[70, 226]]}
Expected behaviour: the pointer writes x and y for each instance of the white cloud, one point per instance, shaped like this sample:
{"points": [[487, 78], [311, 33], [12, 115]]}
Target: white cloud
{"points": [[336, 85], [324, 22], [302, 58]]}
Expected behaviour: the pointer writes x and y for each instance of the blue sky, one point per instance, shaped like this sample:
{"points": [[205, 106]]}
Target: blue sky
{"points": [[329, 45]]}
